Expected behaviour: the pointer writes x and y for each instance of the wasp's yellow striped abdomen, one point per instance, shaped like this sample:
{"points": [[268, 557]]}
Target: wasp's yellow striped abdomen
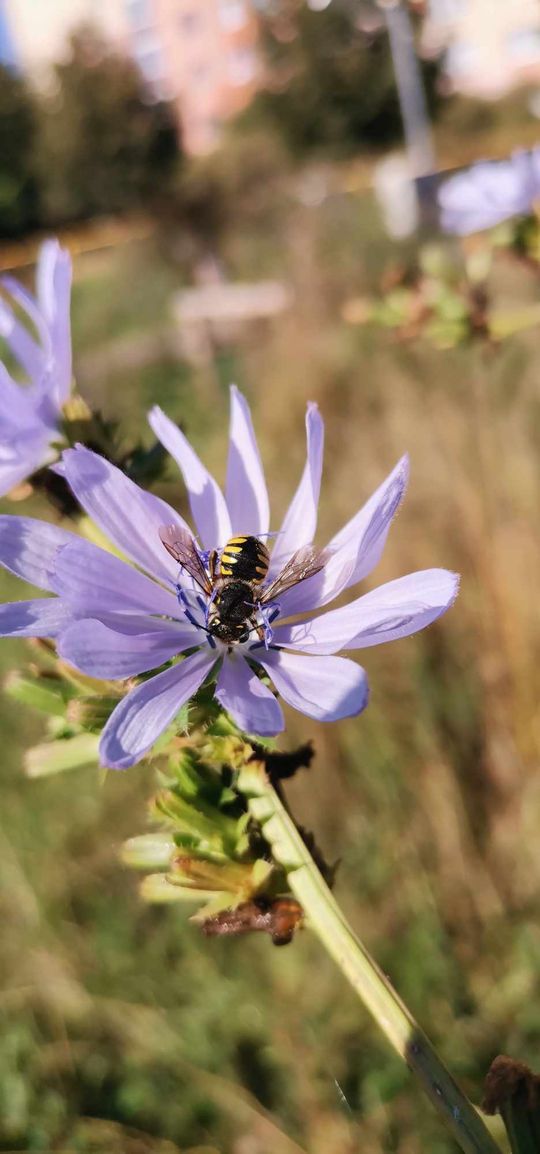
{"points": [[245, 559]]}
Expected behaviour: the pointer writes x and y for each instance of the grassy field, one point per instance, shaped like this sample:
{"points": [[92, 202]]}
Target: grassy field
{"points": [[122, 1030]]}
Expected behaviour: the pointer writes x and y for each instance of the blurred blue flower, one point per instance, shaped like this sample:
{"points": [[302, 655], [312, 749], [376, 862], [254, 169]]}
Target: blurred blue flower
{"points": [[114, 621], [490, 192], [30, 407]]}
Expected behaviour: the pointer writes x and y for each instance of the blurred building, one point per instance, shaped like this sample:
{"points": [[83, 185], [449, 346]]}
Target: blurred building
{"points": [[200, 53], [488, 46]]}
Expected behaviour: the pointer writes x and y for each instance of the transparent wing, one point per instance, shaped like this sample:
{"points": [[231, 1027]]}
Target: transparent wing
{"points": [[303, 564], [181, 545]]}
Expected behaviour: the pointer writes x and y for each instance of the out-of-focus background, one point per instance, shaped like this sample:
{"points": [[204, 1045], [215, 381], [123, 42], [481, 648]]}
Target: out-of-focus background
{"points": [[210, 164]]}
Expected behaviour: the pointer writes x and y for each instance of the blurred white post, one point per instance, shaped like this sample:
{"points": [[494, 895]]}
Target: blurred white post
{"points": [[410, 88], [396, 195]]}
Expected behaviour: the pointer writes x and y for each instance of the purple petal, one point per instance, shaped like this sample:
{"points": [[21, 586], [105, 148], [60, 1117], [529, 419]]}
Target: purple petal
{"points": [[115, 654], [29, 548], [325, 688], [29, 305], [53, 283], [247, 496], [141, 717], [300, 521], [489, 192], [355, 550], [131, 624], [129, 517], [21, 344], [250, 703], [14, 472], [46, 361], [44, 618], [96, 582], [206, 500], [394, 610], [372, 523], [24, 436], [18, 405]]}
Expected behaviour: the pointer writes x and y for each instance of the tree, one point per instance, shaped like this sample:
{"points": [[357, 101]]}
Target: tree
{"points": [[330, 80], [106, 147], [19, 195]]}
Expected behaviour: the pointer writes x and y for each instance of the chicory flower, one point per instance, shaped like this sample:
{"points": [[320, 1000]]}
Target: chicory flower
{"points": [[489, 192], [114, 621], [31, 407]]}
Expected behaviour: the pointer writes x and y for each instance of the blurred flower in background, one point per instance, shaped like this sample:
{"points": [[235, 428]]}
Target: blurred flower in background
{"points": [[490, 192], [34, 392]]}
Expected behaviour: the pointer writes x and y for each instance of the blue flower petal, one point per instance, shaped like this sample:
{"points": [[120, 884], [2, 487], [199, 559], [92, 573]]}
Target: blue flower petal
{"points": [[129, 516], [108, 652], [394, 610], [142, 716], [247, 496], [208, 506], [250, 703], [42, 618], [29, 548], [324, 688]]}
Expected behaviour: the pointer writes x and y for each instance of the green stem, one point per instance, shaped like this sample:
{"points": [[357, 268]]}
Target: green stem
{"points": [[327, 920]]}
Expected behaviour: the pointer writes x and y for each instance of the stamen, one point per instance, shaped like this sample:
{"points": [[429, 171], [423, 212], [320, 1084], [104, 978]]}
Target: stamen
{"points": [[269, 614], [183, 601]]}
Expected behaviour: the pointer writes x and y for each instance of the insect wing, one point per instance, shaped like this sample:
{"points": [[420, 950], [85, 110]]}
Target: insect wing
{"points": [[181, 545], [306, 562]]}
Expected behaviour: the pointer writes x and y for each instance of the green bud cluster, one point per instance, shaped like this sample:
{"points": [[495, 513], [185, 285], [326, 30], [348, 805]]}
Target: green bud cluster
{"points": [[76, 708], [208, 850], [205, 849], [448, 296]]}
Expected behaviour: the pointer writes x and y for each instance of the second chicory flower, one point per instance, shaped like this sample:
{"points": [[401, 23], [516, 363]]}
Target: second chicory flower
{"points": [[489, 192], [32, 398]]}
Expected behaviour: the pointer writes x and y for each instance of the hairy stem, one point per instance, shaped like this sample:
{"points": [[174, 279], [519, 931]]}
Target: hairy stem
{"points": [[325, 917]]}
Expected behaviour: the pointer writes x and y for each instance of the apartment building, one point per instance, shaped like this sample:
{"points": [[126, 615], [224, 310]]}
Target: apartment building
{"points": [[202, 54], [488, 46], [38, 31]]}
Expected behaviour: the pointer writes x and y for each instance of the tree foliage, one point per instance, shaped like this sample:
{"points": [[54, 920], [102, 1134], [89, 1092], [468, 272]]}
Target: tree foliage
{"points": [[330, 80], [104, 145], [19, 195]]}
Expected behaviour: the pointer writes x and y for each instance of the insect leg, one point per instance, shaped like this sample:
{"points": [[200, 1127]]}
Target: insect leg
{"points": [[208, 604], [212, 564], [212, 570]]}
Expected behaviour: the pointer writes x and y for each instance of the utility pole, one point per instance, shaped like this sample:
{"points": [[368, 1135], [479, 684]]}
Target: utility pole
{"points": [[412, 100]]}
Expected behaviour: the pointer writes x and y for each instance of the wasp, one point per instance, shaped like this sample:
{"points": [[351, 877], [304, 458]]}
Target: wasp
{"points": [[239, 603]]}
